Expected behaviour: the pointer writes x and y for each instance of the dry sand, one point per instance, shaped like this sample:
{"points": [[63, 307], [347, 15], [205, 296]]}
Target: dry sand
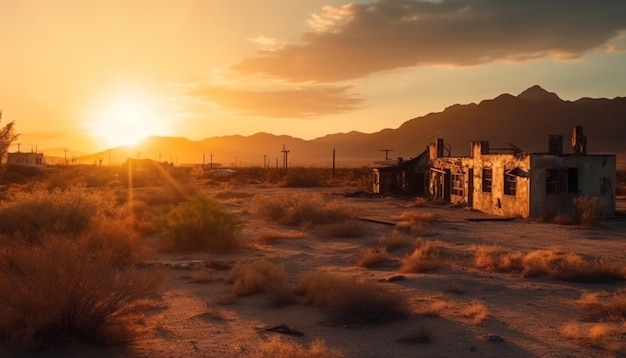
{"points": [[204, 320]]}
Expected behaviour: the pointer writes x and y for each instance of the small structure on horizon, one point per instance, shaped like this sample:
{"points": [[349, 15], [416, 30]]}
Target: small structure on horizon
{"points": [[507, 182], [32, 159]]}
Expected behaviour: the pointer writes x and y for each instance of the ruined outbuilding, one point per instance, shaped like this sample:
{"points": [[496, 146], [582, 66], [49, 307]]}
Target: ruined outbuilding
{"points": [[508, 182], [27, 159]]}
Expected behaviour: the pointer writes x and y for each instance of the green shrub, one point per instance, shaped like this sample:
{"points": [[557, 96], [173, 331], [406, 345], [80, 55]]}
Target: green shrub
{"points": [[202, 224], [64, 291]]}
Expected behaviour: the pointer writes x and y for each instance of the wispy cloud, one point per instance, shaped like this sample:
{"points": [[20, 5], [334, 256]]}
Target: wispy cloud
{"points": [[358, 40], [309, 101]]}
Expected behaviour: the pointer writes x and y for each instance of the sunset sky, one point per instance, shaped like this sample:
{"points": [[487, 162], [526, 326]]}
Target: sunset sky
{"points": [[88, 75]]}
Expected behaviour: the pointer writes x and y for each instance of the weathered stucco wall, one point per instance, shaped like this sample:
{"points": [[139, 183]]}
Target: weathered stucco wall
{"points": [[596, 177], [497, 202]]}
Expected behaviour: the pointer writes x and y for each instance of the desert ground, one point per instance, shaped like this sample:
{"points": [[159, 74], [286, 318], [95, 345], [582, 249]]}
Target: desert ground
{"points": [[456, 308]]}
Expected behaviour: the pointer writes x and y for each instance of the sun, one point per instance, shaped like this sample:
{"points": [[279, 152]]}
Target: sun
{"points": [[125, 119]]}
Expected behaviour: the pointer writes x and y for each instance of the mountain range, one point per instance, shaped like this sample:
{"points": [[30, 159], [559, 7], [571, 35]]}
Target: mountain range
{"points": [[524, 120]]}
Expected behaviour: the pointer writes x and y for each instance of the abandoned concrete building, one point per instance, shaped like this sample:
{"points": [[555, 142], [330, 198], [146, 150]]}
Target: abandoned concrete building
{"points": [[26, 159], [506, 182]]}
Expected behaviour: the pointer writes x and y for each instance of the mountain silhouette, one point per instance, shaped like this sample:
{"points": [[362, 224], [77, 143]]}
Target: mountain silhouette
{"points": [[524, 120]]}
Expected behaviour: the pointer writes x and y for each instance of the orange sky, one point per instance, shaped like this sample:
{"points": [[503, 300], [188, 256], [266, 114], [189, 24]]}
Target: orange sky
{"points": [[86, 75]]}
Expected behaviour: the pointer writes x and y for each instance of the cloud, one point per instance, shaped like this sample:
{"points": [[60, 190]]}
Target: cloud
{"points": [[306, 102], [358, 40]]}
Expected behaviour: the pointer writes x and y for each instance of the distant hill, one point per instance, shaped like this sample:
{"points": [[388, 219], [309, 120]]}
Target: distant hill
{"points": [[524, 120]]}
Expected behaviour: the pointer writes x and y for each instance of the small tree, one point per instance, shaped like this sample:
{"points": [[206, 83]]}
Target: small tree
{"points": [[7, 137]]}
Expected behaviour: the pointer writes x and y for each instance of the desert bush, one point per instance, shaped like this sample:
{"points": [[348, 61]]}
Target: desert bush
{"points": [[269, 237], [373, 256], [606, 304], [426, 257], [63, 291], [303, 178], [569, 266], [587, 210], [495, 259], [351, 302], [116, 239], [343, 229], [476, 310], [200, 223], [565, 266], [200, 274], [70, 211], [394, 241], [298, 209], [256, 276], [577, 331], [412, 221], [276, 347]]}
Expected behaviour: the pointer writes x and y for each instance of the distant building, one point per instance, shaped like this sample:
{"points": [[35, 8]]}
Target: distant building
{"points": [[26, 159], [507, 183]]}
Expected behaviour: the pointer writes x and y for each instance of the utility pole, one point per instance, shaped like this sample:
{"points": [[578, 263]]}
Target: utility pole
{"points": [[264, 161], [387, 153], [333, 162], [211, 165], [285, 156], [64, 156]]}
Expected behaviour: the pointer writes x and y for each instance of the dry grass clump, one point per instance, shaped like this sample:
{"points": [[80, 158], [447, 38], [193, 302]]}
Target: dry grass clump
{"points": [[477, 311], [299, 209], [594, 333], [62, 291], [374, 256], [351, 302], [587, 210], [394, 241], [256, 276], [200, 274], [426, 257], [570, 267], [201, 223], [412, 221], [343, 229], [565, 266], [270, 237], [496, 259], [72, 211], [418, 202], [276, 347], [116, 238], [606, 304]]}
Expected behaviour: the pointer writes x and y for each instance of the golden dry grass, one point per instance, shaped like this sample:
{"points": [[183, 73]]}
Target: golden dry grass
{"points": [[256, 276], [278, 347], [270, 237], [593, 333], [63, 291], [476, 311], [343, 229], [425, 257], [567, 266], [374, 256], [611, 305], [394, 241], [200, 274], [349, 301], [299, 209]]}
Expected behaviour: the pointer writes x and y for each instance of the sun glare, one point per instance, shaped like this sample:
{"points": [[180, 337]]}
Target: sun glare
{"points": [[125, 120]]}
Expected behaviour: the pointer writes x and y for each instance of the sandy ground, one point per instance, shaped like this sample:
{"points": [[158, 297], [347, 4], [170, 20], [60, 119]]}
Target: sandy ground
{"points": [[204, 320]]}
